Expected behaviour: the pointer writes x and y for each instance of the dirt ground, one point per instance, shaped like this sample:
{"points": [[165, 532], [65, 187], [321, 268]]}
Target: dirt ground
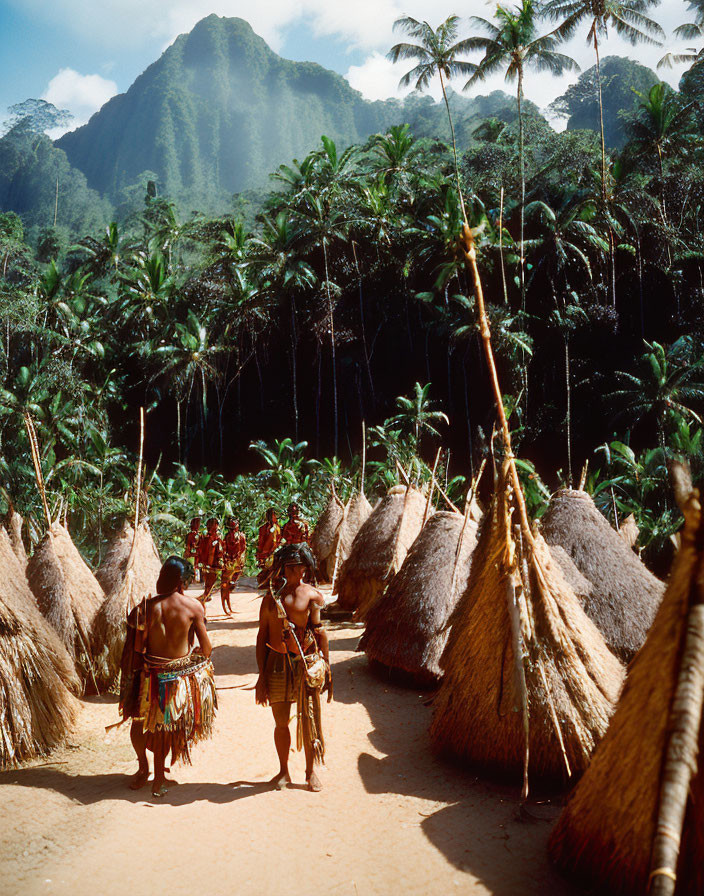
{"points": [[391, 818]]}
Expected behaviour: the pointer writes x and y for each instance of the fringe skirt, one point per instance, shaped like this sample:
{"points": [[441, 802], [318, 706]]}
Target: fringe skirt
{"points": [[177, 704]]}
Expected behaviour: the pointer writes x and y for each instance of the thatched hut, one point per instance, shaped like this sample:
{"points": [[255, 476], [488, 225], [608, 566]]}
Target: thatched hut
{"points": [[14, 524], [357, 512], [606, 832], [626, 595], [324, 537], [126, 582], [628, 531], [380, 548], [408, 628], [36, 672], [544, 713], [114, 563], [67, 593]]}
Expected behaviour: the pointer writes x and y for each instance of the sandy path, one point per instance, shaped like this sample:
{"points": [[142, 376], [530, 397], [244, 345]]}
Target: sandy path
{"points": [[391, 818]]}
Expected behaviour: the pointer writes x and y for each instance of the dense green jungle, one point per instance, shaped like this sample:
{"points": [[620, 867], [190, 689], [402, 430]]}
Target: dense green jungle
{"points": [[260, 330]]}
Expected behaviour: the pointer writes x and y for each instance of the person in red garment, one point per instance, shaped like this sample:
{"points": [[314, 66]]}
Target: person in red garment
{"points": [[234, 555], [210, 557], [267, 544], [192, 540], [296, 530]]}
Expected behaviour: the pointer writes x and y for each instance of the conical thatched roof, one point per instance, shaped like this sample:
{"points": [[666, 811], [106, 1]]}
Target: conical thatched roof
{"points": [[628, 531], [324, 537], [14, 524], [605, 834], [379, 549], [130, 583], [112, 569], [567, 683], [357, 512], [37, 710], [408, 628], [67, 593], [626, 594]]}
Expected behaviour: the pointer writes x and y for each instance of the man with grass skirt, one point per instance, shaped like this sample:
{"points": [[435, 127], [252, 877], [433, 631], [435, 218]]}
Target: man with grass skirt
{"points": [[234, 556], [296, 530], [210, 557], [267, 543], [167, 689], [293, 659]]}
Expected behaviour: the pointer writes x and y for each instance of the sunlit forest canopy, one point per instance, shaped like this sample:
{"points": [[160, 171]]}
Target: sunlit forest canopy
{"points": [[251, 251]]}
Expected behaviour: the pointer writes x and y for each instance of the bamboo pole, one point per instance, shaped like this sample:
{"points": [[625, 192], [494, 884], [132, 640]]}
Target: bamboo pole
{"points": [[139, 470], [39, 476], [364, 455]]}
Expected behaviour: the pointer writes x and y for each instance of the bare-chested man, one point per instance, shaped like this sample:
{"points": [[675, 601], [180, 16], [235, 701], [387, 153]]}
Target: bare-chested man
{"points": [[280, 641], [156, 661]]}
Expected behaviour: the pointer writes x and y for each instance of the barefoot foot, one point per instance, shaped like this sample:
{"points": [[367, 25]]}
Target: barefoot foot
{"points": [[313, 783], [160, 788], [139, 780], [281, 781]]}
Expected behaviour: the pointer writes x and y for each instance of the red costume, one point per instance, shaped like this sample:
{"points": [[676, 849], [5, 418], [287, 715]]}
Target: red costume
{"points": [[209, 558], [296, 531], [267, 543]]}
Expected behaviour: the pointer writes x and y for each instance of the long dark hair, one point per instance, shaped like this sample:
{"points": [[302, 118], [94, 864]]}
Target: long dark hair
{"points": [[288, 555]]}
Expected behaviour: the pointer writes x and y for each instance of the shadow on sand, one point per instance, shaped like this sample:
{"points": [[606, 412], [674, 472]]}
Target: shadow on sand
{"points": [[474, 823], [88, 789]]}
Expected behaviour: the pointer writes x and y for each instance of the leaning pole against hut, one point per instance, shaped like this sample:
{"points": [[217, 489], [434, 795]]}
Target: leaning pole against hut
{"points": [[127, 576], [520, 633], [635, 822], [324, 536]]}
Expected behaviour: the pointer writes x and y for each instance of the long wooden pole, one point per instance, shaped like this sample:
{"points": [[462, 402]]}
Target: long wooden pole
{"points": [[139, 470], [431, 488], [364, 455]]}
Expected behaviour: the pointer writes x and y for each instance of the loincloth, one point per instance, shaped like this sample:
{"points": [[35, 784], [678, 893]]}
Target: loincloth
{"points": [[176, 704], [286, 683], [282, 675]]}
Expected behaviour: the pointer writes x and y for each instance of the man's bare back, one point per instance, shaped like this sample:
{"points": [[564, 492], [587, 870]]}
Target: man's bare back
{"points": [[173, 620]]}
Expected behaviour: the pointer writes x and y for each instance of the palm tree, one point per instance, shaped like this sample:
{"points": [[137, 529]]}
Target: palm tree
{"points": [[513, 42], [626, 17], [662, 123], [417, 415], [436, 53], [689, 31]]}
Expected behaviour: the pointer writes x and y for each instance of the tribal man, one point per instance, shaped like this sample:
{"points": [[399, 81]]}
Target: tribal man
{"points": [[166, 689], [192, 539], [293, 660], [234, 556], [296, 530], [210, 555], [268, 542]]}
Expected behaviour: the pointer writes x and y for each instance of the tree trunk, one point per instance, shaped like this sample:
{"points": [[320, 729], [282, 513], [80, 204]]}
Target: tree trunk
{"points": [[332, 347], [178, 429], [601, 118], [294, 368], [681, 756], [454, 145], [568, 414], [522, 167]]}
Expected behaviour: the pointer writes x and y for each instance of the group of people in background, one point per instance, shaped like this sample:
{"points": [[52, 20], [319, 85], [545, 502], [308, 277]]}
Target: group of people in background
{"points": [[213, 555]]}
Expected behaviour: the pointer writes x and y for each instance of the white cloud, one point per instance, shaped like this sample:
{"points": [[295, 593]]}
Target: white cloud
{"points": [[82, 95], [364, 25]]}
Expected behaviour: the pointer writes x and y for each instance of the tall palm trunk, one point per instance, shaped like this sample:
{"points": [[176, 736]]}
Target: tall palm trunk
{"points": [[332, 345], [568, 413], [294, 367], [600, 99], [454, 144], [522, 167]]}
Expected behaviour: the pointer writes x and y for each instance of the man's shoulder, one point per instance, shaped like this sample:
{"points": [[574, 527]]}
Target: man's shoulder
{"points": [[309, 591]]}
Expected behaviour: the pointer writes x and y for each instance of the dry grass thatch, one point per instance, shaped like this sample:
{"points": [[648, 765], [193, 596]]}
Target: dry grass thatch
{"points": [[67, 593], [626, 595], [605, 834], [37, 710], [357, 512], [14, 524], [324, 538], [564, 690], [379, 549], [408, 628], [628, 531], [117, 555], [131, 581]]}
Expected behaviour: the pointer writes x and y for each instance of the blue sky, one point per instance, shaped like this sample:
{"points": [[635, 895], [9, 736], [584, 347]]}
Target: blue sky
{"points": [[77, 53]]}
